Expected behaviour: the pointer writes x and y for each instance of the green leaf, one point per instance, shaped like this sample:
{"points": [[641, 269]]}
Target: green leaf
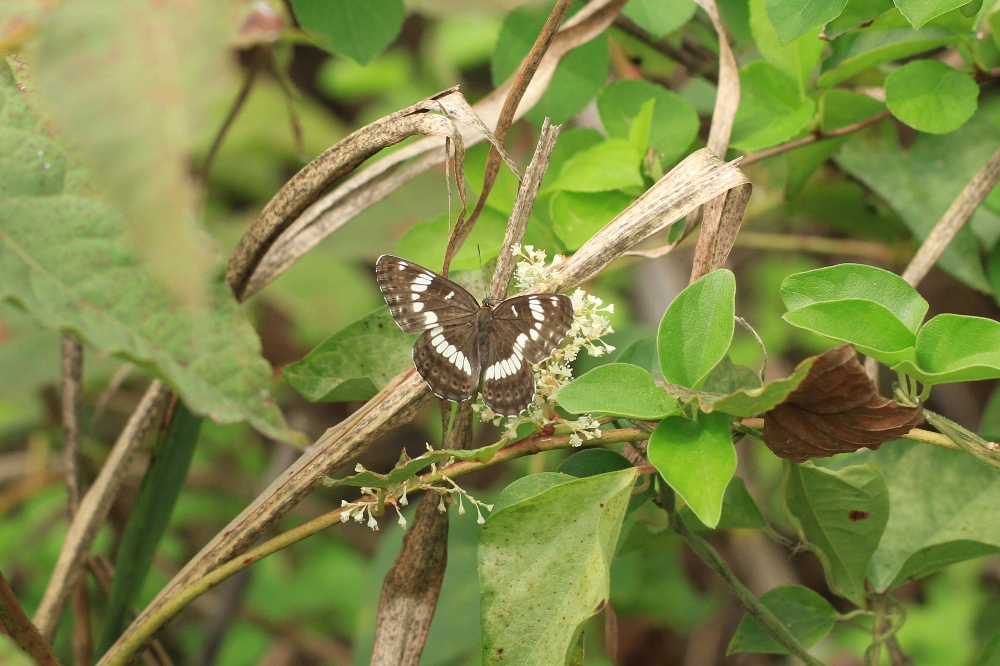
{"points": [[576, 216], [697, 328], [797, 58], [739, 511], [930, 530], [577, 79], [134, 84], [916, 183], [856, 52], [792, 18], [358, 29], [856, 281], [857, 12], [919, 12], [930, 96], [424, 243], [610, 165], [674, 125], [64, 260], [870, 327], [697, 459], [147, 522], [527, 487], [619, 389], [660, 17], [808, 616], [727, 377], [643, 354], [771, 108], [591, 462], [989, 423], [956, 348], [842, 516], [504, 192], [354, 363], [544, 567], [638, 131]]}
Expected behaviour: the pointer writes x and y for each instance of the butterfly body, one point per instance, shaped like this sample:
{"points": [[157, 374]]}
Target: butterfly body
{"points": [[464, 342]]}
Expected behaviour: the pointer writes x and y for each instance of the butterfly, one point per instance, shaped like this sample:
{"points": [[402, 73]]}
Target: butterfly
{"points": [[464, 341]]}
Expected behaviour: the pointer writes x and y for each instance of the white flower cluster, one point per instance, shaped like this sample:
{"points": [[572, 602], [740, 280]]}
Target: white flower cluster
{"points": [[590, 323]]}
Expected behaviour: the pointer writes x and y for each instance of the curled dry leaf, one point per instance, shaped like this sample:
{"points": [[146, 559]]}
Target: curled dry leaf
{"points": [[837, 409]]}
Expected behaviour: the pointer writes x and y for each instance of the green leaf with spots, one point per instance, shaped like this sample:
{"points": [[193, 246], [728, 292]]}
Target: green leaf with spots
{"points": [[808, 616], [697, 459], [841, 515], [354, 363], [544, 567], [618, 389]]}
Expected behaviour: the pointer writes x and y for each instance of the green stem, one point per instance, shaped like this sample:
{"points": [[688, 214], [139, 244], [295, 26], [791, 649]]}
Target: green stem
{"points": [[761, 613], [21, 630], [528, 446], [968, 441]]}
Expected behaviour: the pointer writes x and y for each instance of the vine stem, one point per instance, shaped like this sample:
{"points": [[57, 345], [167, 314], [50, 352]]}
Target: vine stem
{"points": [[20, 628], [528, 446], [761, 613], [816, 136]]}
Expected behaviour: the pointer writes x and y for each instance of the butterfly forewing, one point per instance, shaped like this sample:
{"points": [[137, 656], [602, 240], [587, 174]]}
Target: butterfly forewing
{"points": [[419, 299], [525, 331], [447, 357]]}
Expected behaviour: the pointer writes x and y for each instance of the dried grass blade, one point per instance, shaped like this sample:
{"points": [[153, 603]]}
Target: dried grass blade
{"points": [[960, 210], [373, 183], [519, 85], [410, 589], [94, 509], [719, 230]]}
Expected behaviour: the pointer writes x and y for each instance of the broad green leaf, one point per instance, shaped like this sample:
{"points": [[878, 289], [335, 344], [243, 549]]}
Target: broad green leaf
{"points": [[870, 327], [643, 354], [576, 216], [989, 423], [921, 182], [660, 17], [727, 377], [697, 459], [697, 328], [930, 530], [642, 124], [857, 12], [610, 165], [856, 52], [837, 108], [793, 18], [808, 616], [571, 142], [856, 281], [148, 519], [425, 242], [744, 402], [771, 108], [358, 29], [841, 514], [577, 79], [739, 511], [527, 487], [675, 122], [544, 567], [619, 389], [930, 96], [591, 462], [956, 348], [63, 260], [134, 82], [919, 12], [796, 57], [354, 363]]}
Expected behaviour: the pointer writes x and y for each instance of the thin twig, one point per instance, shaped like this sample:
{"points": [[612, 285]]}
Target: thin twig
{"points": [[20, 628], [876, 252], [94, 509], [761, 613], [261, 55], [692, 62], [816, 136], [915, 435], [150, 622], [112, 388]]}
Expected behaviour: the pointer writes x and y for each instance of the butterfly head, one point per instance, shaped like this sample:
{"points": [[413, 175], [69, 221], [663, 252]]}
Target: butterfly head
{"points": [[489, 303]]}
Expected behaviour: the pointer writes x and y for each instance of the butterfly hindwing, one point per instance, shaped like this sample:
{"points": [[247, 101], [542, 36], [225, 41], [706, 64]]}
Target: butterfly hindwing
{"points": [[447, 357], [420, 299], [525, 331]]}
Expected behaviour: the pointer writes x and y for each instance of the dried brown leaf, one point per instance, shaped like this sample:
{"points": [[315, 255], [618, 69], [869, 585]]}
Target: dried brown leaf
{"points": [[837, 409]]}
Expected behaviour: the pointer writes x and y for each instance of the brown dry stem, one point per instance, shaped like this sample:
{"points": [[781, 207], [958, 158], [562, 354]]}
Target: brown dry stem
{"points": [[21, 630]]}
